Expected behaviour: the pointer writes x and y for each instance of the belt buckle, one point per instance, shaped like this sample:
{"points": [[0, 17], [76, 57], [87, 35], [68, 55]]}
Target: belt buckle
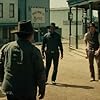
{"points": [[52, 51]]}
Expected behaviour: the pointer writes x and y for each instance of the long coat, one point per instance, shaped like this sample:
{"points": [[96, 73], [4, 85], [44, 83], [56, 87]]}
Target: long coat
{"points": [[24, 69]]}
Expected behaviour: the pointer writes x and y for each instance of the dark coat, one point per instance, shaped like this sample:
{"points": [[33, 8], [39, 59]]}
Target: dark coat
{"points": [[24, 69], [52, 42]]}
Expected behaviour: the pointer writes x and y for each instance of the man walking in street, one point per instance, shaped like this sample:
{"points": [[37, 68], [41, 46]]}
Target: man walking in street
{"points": [[93, 49], [23, 66], [51, 45]]}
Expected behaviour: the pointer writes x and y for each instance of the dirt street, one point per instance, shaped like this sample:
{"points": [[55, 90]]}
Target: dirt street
{"points": [[73, 79]]}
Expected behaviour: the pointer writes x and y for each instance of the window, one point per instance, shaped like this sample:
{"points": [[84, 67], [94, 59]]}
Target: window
{"points": [[11, 10], [1, 10]]}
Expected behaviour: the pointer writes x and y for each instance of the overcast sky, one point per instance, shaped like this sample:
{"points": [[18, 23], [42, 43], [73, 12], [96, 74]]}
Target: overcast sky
{"points": [[58, 3], [62, 3]]}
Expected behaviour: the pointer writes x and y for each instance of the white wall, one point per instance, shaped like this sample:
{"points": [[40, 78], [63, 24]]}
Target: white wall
{"points": [[60, 17]]}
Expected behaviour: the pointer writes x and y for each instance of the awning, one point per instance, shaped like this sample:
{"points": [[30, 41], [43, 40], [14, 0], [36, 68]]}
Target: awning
{"points": [[85, 4]]}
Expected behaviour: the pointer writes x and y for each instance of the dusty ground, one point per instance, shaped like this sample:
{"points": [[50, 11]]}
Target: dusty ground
{"points": [[73, 80]]}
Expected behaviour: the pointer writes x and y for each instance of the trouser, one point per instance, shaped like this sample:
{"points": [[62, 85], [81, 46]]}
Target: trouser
{"points": [[13, 97], [49, 58], [91, 57], [98, 64]]}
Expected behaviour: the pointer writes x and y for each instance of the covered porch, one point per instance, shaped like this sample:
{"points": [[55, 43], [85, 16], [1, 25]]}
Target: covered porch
{"points": [[88, 6]]}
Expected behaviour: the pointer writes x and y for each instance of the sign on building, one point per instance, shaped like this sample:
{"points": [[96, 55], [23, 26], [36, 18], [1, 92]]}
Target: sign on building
{"points": [[38, 15]]}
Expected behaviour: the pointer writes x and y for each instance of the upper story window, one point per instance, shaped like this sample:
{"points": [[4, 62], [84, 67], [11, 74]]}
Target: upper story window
{"points": [[1, 10], [11, 10]]}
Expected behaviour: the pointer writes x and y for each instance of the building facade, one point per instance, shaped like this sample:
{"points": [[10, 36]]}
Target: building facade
{"points": [[12, 11], [26, 10], [8, 19], [60, 17]]}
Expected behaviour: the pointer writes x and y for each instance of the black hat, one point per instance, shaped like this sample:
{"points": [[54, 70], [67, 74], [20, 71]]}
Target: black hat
{"points": [[48, 27], [24, 27], [92, 25], [52, 25]]}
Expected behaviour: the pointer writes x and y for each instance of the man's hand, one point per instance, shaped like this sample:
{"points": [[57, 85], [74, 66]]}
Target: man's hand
{"points": [[97, 52], [41, 84], [41, 93], [61, 56]]}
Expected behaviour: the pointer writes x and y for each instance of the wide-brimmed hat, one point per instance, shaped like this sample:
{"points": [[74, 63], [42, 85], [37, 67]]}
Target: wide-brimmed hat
{"points": [[91, 25], [52, 25], [24, 27]]}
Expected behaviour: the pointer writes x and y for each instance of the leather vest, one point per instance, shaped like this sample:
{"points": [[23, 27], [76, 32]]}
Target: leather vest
{"points": [[93, 41]]}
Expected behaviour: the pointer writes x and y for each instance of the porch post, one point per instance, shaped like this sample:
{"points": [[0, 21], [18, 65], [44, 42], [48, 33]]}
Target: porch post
{"points": [[86, 21], [25, 10], [99, 21], [90, 11], [76, 27], [70, 27]]}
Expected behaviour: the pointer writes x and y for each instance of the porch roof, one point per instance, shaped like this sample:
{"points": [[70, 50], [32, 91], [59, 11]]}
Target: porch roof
{"points": [[84, 4]]}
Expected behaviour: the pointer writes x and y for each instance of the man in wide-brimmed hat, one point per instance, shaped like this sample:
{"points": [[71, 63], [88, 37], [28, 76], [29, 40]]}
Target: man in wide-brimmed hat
{"points": [[93, 49], [51, 46], [23, 66]]}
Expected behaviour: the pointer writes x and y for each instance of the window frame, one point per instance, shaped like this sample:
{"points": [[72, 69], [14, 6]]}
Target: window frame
{"points": [[11, 10], [1, 10]]}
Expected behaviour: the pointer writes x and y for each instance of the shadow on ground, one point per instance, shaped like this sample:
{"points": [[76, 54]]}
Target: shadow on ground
{"points": [[68, 85]]}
